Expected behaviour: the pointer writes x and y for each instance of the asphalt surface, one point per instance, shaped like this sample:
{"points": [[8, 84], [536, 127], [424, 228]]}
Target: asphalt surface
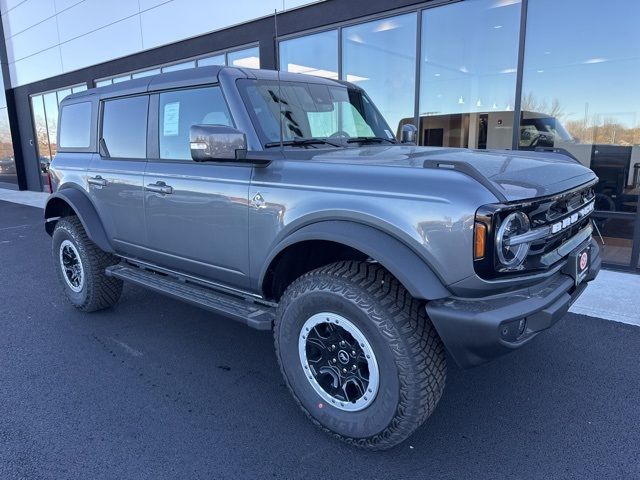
{"points": [[155, 389]]}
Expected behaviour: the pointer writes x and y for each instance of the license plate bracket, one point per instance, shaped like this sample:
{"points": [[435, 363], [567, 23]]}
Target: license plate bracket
{"points": [[578, 263]]}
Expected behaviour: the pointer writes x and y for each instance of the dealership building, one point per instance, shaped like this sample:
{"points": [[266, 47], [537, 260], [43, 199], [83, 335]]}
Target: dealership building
{"points": [[554, 75]]}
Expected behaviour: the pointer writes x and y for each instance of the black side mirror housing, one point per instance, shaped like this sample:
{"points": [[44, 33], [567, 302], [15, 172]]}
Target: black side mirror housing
{"points": [[409, 134], [217, 143]]}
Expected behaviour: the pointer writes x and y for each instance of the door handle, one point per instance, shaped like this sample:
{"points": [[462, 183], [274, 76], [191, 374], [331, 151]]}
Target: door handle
{"points": [[159, 187], [98, 181]]}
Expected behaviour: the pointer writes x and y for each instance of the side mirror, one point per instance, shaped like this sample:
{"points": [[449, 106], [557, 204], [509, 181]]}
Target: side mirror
{"points": [[217, 143], [408, 134]]}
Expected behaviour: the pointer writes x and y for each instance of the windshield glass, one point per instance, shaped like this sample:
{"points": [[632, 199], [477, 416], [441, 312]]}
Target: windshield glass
{"points": [[311, 111]]}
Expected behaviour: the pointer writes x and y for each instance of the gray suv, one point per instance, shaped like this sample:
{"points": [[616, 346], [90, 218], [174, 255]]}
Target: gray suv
{"points": [[287, 203]]}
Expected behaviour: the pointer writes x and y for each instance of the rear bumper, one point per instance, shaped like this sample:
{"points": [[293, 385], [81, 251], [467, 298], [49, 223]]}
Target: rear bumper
{"points": [[481, 329]]}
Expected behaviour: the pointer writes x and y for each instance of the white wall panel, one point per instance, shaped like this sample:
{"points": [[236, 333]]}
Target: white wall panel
{"points": [[95, 31], [64, 4], [33, 40], [91, 15], [9, 4], [117, 40], [25, 15], [36, 67]]}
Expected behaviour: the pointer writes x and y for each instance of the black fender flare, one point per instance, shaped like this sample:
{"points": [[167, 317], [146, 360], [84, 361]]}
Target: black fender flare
{"points": [[80, 204], [403, 263]]}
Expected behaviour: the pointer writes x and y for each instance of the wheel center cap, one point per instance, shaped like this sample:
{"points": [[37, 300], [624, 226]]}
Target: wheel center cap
{"points": [[343, 357]]}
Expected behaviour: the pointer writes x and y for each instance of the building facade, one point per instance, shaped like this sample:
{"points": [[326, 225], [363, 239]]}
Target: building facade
{"points": [[552, 75]]}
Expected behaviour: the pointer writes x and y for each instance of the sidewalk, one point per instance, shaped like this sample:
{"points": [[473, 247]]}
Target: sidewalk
{"points": [[611, 296]]}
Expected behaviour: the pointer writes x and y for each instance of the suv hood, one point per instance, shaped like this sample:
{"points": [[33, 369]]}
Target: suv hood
{"points": [[510, 175]]}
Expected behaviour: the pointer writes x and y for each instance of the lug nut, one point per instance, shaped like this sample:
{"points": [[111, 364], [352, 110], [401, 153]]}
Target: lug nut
{"points": [[334, 360], [344, 370]]}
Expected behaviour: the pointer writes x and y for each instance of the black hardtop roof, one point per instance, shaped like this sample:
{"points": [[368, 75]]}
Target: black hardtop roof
{"points": [[191, 77]]}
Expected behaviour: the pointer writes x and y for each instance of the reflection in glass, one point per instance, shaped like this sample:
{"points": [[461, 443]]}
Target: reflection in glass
{"points": [[178, 66], [373, 55], [146, 73], [79, 88], [312, 54], [580, 96], [63, 93], [103, 83], [7, 159], [468, 74], [122, 78], [215, 60], [51, 114], [40, 130], [248, 58]]}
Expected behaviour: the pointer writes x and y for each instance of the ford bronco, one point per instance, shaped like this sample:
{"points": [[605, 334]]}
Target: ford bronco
{"points": [[286, 202]]}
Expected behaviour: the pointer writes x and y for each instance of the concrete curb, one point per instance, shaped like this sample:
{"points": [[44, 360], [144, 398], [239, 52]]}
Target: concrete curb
{"points": [[611, 296]]}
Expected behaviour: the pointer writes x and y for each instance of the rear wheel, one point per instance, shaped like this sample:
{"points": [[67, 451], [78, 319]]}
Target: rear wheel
{"points": [[359, 354], [81, 265]]}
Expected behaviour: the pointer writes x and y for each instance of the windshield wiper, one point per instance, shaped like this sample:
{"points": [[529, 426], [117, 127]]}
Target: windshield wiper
{"points": [[302, 142], [370, 140]]}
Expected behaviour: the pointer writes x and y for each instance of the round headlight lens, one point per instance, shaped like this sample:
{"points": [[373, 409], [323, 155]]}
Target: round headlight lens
{"points": [[512, 256]]}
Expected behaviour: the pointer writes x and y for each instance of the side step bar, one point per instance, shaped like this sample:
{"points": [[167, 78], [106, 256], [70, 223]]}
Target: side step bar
{"points": [[254, 315]]}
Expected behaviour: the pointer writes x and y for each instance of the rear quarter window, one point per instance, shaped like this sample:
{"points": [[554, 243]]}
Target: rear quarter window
{"points": [[75, 125]]}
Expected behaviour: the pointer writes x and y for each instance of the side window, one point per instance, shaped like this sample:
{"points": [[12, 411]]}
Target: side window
{"points": [[124, 127], [75, 125], [181, 109]]}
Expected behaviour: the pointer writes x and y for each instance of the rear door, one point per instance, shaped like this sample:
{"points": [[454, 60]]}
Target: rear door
{"points": [[116, 174], [196, 212]]}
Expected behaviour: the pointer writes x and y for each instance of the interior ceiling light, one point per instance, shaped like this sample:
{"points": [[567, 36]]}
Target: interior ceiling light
{"points": [[318, 72], [461, 101], [248, 62], [504, 3], [595, 60], [386, 25], [478, 103], [508, 70], [355, 78], [354, 37], [463, 69]]}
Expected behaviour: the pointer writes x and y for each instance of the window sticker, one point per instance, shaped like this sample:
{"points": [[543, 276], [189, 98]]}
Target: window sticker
{"points": [[171, 119], [389, 134]]}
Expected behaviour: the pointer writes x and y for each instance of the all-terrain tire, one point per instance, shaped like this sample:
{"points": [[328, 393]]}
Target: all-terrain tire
{"points": [[410, 355], [95, 291]]}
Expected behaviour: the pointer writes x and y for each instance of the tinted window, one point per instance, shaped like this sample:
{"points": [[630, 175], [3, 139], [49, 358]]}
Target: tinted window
{"points": [[181, 109], [75, 125], [124, 127]]}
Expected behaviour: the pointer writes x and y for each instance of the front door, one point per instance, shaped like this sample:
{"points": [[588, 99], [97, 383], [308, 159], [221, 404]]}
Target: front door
{"points": [[116, 174], [196, 212]]}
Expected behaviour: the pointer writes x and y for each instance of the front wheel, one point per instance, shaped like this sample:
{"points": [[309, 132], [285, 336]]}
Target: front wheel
{"points": [[359, 354], [81, 265]]}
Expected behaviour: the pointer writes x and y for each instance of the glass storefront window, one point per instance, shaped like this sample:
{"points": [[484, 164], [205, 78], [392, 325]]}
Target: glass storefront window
{"points": [[7, 159], [146, 73], [103, 83], [178, 66], [580, 96], [468, 74], [380, 57], [41, 134], [248, 58], [51, 114], [312, 54], [215, 60]]}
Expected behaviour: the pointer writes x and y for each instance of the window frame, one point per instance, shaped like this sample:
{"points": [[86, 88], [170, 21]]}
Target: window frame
{"points": [[100, 127], [153, 130]]}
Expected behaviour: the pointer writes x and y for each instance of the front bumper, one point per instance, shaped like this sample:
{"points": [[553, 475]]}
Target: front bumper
{"points": [[480, 329]]}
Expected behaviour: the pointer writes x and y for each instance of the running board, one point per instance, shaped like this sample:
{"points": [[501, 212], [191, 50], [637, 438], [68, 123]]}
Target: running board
{"points": [[256, 316]]}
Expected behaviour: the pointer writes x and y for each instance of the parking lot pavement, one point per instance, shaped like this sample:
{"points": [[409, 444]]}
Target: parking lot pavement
{"points": [[155, 389]]}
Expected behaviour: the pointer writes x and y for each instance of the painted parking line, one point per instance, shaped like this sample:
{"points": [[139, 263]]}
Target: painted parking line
{"points": [[611, 296]]}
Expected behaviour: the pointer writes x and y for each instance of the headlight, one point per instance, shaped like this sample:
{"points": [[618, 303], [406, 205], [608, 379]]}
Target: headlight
{"points": [[512, 256]]}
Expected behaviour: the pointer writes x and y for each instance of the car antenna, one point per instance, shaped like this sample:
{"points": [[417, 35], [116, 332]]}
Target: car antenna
{"points": [[275, 21]]}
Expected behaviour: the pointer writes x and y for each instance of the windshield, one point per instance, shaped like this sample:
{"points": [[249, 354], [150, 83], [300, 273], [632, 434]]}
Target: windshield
{"points": [[312, 111]]}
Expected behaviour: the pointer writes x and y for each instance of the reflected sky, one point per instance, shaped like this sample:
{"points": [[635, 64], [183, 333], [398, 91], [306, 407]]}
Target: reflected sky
{"points": [[586, 56]]}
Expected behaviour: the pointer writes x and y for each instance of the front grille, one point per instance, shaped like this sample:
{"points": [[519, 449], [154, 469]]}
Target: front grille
{"points": [[559, 218]]}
